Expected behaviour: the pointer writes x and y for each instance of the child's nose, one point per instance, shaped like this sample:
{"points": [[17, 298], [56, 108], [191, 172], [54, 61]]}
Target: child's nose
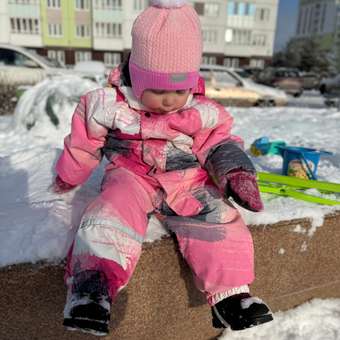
{"points": [[168, 100]]}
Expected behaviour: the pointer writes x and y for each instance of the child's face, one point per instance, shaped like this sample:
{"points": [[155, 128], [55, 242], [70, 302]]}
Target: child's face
{"points": [[163, 101]]}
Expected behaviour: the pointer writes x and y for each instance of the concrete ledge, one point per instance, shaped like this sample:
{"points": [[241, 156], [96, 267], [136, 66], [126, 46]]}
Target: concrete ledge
{"points": [[161, 301]]}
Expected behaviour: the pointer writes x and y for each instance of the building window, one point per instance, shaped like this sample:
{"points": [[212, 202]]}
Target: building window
{"points": [[36, 26], [55, 30], [298, 30], [53, 3], [238, 36], [83, 31], [24, 2], [250, 9], [112, 59], [323, 18], [83, 56], [231, 6], [262, 14], [13, 26], [256, 63], [24, 25], [211, 60], [139, 5], [240, 8], [228, 37], [115, 5], [305, 20], [259, 39], [57, 55], [231, 62], [82, 4], [211, 9], [209, 36], [108, 30]]}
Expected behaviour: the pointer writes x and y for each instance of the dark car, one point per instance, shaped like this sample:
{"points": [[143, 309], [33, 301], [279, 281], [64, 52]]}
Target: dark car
{"points": [[288, 80], [330, 86]]}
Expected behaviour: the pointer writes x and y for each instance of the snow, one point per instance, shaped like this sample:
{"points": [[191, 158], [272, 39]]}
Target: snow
{"points": [[314, 320], [40, 224]]}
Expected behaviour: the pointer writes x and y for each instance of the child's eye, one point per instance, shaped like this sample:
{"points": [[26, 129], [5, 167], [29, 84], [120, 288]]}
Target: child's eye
{"points": [[181, 92], [158, 91]]}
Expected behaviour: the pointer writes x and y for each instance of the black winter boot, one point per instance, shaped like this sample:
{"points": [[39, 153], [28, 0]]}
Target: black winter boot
{"points": [[88, 304], [239, 312]]}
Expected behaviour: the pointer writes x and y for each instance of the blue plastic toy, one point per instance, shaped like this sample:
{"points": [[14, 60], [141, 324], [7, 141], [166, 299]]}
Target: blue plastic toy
{"points": [[263, 146], [301, 162], [297, 161]]}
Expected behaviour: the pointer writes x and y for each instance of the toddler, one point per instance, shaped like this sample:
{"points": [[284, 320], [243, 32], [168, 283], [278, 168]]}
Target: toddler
{"points": [[170, 153]]}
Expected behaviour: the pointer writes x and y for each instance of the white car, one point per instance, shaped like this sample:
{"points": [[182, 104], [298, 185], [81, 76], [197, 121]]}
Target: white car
{"points": [[93, 70], [226, 80], [20, 66]]}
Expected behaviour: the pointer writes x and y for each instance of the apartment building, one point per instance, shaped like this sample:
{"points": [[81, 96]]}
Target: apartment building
{"points": [[238, 32], [320, 19], [107, 26], [4, 22], [67, 30], [235, 32]]}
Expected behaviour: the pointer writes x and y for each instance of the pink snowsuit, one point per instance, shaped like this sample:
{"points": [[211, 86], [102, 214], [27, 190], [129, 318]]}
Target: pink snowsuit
{"points": [[158, 164]]}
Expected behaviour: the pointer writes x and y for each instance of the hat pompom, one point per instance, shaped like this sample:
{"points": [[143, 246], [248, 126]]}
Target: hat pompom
{"points": [[168, 3]]}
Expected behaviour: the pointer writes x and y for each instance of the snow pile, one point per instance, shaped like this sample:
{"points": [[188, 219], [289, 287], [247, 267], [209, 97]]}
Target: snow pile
{"points": [[35, 222], [315, 320], [39, 224], [45, 110]]}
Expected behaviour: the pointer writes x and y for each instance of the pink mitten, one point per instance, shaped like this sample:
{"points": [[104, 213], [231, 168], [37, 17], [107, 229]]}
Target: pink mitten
{"points": [[242, 187], [60, 187]]}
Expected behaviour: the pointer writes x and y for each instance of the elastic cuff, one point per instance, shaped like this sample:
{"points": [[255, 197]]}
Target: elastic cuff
{"points": [[221, 296]]}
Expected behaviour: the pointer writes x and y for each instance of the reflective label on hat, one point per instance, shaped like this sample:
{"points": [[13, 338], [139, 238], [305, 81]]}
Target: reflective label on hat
{"points": [[178, 77]]}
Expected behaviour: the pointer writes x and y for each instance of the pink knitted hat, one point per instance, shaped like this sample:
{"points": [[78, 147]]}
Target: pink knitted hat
{"points": [[166, 47]]}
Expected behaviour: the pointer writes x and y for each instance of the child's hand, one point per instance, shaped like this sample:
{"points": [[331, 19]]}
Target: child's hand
{"points": [[60, 187], [242, 187]]}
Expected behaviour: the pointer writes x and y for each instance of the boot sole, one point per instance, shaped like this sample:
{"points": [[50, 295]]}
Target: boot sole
{"points": [[91, 311], [253, 322], [219, 322], [87, 326]]}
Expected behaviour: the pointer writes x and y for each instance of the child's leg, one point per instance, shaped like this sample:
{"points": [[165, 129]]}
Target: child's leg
{"points": [[217, 246], [108, 242]]}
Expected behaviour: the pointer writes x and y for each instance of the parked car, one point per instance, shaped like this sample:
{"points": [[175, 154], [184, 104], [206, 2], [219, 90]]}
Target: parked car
{"points": [[330, 85], [253, 71], [310, 80], [20, 66], [286, 79], [93, 70], [229, 88], [241, 72]]}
